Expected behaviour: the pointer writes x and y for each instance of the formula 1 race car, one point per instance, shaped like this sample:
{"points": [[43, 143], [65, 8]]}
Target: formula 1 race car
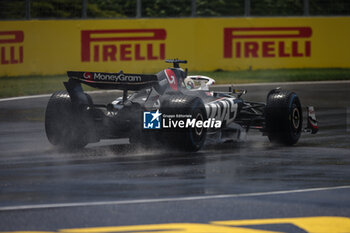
{"points": [[169, 109]]}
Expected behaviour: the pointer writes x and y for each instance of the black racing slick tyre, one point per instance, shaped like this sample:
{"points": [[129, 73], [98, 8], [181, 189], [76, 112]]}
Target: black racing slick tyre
{"points": [[283, 116], [64, 126], [187, 139]]}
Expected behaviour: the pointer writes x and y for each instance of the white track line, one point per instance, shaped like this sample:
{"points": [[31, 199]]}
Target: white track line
{"points": [[287, 83], [48, 95], [176, 199], [223, 85], [25, 97]]}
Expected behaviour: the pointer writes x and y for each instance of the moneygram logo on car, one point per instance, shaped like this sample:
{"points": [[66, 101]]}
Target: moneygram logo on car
{"points": [[111, 77], [157, 120]]}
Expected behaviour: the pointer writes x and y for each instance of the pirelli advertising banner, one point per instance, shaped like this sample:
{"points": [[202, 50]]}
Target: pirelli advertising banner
{"points": [[141, 45]]}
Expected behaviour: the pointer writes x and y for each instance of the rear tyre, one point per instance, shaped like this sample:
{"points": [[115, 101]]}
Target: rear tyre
{"points": [[283, 117], [188, 139], [64, 125]]}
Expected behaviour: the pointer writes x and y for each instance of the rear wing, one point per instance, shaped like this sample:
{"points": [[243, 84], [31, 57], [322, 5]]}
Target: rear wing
{"points": [[119, 80], [100, 80]]}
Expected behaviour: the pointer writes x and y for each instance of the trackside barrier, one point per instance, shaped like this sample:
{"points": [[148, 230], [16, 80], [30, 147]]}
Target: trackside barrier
{"points": [[141, 45]]}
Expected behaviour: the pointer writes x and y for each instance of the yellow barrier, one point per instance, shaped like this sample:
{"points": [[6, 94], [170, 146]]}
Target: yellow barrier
{"points": [[141, 45], [306, 224]]}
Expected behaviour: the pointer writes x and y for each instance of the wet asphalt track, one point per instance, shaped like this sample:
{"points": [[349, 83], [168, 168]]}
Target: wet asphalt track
{"points": [[119, 185]]}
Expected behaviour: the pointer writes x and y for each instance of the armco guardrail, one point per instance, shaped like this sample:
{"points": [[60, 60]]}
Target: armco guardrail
{"points": [[68, 9], [141, 45]]}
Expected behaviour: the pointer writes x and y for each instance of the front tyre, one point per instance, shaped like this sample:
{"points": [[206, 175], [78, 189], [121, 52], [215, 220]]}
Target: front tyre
{"points": [[187, 139], [283, 117], [64, 126]]}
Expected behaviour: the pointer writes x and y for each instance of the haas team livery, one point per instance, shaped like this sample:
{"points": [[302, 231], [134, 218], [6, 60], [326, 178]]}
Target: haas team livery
{"points": [[169, 109]]}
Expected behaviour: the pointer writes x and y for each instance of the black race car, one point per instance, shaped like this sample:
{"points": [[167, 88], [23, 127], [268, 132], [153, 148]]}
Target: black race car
{"points": [[169, 109]]}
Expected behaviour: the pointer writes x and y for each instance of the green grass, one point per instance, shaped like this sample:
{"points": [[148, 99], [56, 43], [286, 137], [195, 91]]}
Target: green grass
{"points": [[282, 75], [32, 85]]}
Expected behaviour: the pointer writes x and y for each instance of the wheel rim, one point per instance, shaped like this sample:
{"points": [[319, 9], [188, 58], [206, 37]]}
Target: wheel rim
{"points": [[296, 118], [198, 130]]}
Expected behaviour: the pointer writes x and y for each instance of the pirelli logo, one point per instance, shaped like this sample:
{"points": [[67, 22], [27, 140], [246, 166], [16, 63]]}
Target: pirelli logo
{"points": [[122, 45], [267, 42], [11, 47]]}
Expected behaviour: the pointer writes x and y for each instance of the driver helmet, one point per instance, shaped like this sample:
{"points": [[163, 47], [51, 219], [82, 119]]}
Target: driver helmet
{"points": [[189, 83]]}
